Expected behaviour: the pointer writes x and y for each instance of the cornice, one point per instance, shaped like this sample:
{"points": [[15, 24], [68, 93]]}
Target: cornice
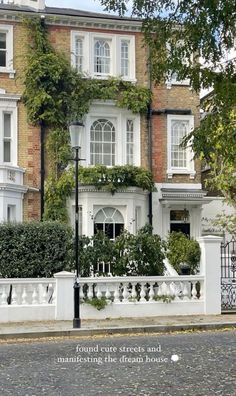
{"points": [[128, 190], [87, 22], [13, 188]]}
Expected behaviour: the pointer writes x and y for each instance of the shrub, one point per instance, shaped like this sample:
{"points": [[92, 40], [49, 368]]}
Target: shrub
{"points": [[37, 249], [139, 255], [182, 250], [129, 254], [93, 252]]}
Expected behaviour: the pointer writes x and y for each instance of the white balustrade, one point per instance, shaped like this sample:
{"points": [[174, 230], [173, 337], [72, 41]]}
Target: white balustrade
{"points": [[144, 289], [17, 292]]}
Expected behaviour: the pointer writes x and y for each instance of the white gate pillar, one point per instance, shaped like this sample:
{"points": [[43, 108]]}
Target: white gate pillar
{"points": [[210, 268], [64, 295]]}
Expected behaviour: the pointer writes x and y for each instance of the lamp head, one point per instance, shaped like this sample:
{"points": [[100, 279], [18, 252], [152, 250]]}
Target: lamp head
{"points": [[76, 132]]}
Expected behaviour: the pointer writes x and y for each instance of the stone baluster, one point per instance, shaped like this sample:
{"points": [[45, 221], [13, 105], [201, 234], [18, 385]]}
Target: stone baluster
{"points": [[201, 290], [45, 294], [194, 291], [142, 293], [172, 290], [81, 292], [185, 290], [99, 293], [35, 295], [151, 292], [4, 295], [133, 292], [24, 296], [125, 293], [14, 295], [117, 293], [50, 293], [167, 289], [108, 293], [90, 291], [160, 289]]}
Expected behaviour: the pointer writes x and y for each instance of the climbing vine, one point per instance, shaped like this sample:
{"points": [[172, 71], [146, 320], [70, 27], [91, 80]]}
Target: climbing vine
{"points": [[55, 94]]}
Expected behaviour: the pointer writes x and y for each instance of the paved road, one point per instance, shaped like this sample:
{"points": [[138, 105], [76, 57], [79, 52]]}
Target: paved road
{"points": [[198, 364]]}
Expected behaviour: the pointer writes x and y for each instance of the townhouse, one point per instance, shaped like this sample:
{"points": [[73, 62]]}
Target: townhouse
{"points": [[100, 46]]}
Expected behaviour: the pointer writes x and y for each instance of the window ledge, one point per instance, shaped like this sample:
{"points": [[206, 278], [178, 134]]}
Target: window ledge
{"points": [[171, 172], [5, 70], [185, 83]]}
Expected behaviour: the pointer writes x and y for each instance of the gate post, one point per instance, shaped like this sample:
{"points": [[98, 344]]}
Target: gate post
{"points": [[64, 295], [210, 268]]}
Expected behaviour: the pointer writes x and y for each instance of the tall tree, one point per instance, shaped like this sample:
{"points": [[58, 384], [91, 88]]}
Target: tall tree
{"points": [[194, 38]]}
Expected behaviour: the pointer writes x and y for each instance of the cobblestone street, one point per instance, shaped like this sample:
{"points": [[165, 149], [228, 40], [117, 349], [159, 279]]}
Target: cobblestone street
{"points": [[198, 364]]}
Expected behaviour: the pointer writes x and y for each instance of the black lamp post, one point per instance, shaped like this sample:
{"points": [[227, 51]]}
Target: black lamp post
{"points": [[76, 129]]}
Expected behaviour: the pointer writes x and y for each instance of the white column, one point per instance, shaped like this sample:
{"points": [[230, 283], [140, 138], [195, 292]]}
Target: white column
{"points": [[64, 295], [210, 268]]}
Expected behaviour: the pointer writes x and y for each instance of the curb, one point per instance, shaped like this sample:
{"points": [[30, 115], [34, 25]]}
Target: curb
{"points": [[117, 330]]}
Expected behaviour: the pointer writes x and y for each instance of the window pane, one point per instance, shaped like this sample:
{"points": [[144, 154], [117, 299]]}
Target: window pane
{"points": [[3, 41], [124, 58], [102, 148], [2, 58], [79, 54], [178, 153], [7, 151], [102, 57], [7, 125]]}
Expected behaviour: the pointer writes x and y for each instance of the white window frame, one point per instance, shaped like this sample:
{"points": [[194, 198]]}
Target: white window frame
{"points": [[129, 143], [118, 117], [8, 29], [9, 107], [107, 41], [102, 142], [115, 40], [173, 80], [189, 169], [84, 36]]}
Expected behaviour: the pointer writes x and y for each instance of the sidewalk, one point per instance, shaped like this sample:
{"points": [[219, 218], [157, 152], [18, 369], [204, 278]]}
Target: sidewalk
{"points": [[116, 326]]}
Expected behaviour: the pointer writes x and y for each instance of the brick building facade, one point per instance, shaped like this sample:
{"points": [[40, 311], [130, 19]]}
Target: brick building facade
{"points": [[155, 143]]}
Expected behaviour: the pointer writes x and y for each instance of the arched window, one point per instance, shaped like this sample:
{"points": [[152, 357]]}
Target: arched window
{"points": [[110, 221], [102, 143], [102, 57]]}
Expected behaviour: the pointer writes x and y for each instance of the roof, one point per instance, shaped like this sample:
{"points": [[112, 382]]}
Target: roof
{"points": [[66, 12]]}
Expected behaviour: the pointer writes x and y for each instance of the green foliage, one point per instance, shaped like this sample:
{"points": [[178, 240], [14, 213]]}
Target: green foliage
{"points": [[95, 251], [117, 177], [32, 250], [98, 303], [55, 94], [59, 184], [214, 142], [225, 223], [182, 250], [129, 254], [200, 36], [164, 298], [140, 254]]}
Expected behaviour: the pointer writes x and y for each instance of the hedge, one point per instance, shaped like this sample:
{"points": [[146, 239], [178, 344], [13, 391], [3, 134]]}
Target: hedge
{"points": [[36, 249]]}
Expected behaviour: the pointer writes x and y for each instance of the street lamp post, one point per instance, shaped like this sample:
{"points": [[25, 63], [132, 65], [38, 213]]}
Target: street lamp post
{"points": [[76, 129]]}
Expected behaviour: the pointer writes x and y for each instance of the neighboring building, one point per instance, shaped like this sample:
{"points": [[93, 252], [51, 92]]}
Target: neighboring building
{"points": [[100, 46], [177, 204]]}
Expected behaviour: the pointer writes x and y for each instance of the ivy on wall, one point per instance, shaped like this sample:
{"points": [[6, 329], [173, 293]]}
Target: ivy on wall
{"points": [[55, 94]]}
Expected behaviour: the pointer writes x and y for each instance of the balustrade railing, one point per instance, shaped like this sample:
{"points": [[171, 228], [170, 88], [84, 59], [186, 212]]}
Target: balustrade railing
{"points": [[27, 291], [143, 289]]}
